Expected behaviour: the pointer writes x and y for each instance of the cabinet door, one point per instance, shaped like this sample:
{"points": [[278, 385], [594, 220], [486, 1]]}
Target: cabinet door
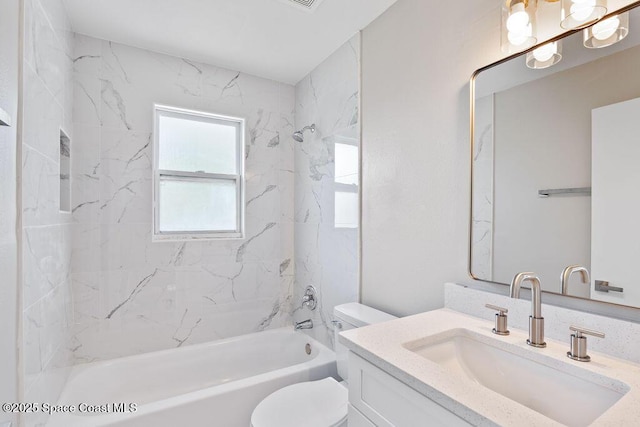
{"points": [[388, 402], [356, 419]]}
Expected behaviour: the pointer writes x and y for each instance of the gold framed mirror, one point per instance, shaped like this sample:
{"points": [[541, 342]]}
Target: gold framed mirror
{"points": [[555, 164]]}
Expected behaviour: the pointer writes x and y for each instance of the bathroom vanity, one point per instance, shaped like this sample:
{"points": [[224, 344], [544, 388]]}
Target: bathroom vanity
{"points": [[447, 368], [376, 398]]}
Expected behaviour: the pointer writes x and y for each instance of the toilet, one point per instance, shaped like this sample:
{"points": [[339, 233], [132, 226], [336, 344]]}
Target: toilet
{"points": [[322, 403]]}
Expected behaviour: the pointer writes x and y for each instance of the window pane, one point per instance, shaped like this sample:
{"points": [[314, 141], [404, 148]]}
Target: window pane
{"points": [[346, 164], [197, 144], [346, 210], [202, 205]]}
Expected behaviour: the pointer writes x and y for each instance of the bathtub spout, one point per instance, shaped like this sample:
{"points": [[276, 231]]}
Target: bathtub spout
{"points": [[305, 324]]}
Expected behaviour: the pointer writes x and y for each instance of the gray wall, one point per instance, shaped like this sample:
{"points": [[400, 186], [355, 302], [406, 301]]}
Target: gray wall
{"points": [[9, 19], [415, 147]]}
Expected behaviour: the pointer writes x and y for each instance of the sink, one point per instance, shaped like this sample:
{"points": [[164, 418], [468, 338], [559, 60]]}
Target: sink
{"points": [[562, 395]]}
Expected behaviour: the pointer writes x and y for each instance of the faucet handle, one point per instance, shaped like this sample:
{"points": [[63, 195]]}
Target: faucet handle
{"points": [[310, 298], [497, 308], [501, 320], [579, 331], [578, 349]]}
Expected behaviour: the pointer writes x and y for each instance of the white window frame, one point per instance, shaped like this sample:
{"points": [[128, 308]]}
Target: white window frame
{"points": [[158, 174]]}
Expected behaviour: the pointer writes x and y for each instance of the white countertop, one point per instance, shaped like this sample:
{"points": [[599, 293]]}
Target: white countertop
{"points": [[382, 345]]}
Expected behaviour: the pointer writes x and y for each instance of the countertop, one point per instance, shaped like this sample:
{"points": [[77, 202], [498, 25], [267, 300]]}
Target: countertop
{"points": [[382, 345]]}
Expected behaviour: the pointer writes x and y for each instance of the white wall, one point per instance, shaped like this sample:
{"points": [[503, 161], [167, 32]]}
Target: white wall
{"points": [[46, 234], [132, 295], [9, 19], [326, 254], [417, 59]]}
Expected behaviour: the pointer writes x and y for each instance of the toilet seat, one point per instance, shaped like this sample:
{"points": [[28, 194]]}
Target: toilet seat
{"points": [[322, 403]]}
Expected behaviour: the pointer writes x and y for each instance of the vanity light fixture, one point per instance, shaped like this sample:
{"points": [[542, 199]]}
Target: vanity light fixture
{"points": [[577, 14], [518, 24], [607, 32], [519, 27], [545, 56]]}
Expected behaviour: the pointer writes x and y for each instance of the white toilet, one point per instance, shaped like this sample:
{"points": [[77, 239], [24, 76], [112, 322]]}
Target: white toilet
{"points": [[320, 403]]}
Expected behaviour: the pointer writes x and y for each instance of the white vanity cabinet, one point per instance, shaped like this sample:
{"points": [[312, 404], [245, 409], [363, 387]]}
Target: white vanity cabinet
{"points": [[376, 399]]}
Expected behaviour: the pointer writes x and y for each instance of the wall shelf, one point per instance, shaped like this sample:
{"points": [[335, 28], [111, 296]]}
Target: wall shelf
{"points": [[582, 191], [5, 118]]}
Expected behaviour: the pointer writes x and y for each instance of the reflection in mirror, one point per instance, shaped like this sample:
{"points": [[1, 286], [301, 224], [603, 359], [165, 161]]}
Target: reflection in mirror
{"points": [[347, 176], [555, 169]]}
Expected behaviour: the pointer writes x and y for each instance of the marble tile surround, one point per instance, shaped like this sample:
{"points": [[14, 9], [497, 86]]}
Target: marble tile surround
{"points": [[482, 233], [96, 287], [46, 233], [325, 256], [131, 295], [622, 337]]}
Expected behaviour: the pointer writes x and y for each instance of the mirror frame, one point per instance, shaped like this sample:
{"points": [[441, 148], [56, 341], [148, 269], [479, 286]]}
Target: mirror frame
{"points": [[605, 308]]}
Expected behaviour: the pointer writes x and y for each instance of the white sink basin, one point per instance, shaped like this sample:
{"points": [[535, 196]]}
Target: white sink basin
{"points": [[556, 394]]}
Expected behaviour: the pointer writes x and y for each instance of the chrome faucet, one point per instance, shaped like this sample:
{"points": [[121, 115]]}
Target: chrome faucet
{"points": [[566, 275], [305, 324], [536, 321]]}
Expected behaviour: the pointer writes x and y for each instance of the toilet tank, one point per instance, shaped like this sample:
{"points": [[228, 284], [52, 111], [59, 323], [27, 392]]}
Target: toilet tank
{"points": [[349, 316]]}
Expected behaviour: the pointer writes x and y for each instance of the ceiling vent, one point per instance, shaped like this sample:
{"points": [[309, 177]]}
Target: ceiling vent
{"points": [[306, 5]]}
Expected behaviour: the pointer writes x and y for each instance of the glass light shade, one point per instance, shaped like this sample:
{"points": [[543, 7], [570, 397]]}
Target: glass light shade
{"points": [[518, 25], [581, 13], [545, 56], [607, 32]]}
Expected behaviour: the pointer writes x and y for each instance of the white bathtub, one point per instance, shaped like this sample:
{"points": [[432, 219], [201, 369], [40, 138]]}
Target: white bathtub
{"points": [[211, 384]]}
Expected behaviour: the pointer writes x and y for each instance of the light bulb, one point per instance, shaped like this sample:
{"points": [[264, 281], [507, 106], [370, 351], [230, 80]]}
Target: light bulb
{"points": [[605, 29], [546, 52], [518, 19], [582, 9], [517, 38]]}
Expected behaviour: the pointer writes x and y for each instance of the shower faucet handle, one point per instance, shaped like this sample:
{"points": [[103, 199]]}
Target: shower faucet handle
{"points": [[309, 298], [501, 320]]}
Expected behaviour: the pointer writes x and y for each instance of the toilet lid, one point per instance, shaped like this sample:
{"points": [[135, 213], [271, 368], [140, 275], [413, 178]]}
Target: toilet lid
{"points": [[311, 404]]}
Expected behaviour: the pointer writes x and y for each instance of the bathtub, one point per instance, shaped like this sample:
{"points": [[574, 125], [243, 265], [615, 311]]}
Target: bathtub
{"points": [[212, 384]]}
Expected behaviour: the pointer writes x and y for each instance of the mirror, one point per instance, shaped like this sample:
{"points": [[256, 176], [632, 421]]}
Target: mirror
{"points": [[556, 169]]}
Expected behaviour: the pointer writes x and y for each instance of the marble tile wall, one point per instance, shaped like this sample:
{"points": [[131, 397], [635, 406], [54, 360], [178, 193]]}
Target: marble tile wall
{"points": [[482, 232], [46, 233], [326, 255], [134, 296]]}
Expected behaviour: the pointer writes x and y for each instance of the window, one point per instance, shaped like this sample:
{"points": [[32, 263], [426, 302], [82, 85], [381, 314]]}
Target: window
{"points": [[198, 175]]}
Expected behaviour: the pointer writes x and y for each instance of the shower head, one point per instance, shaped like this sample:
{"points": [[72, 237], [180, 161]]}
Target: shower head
{"points": [[299, 135]]}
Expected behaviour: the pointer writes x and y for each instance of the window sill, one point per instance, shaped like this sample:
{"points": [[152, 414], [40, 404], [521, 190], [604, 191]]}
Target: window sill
{"points": [[196, 237]]}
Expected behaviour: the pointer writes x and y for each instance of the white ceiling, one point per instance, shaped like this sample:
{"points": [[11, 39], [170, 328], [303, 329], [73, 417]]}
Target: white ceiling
{"points": [[267, 38]]}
